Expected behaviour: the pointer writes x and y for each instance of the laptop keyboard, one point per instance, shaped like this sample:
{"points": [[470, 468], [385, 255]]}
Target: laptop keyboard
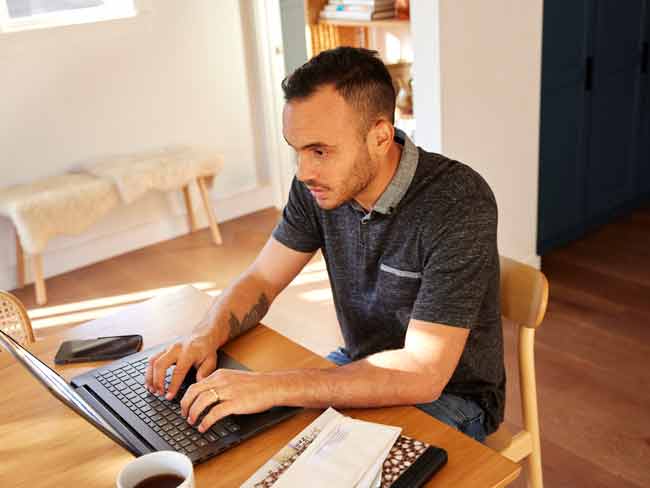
{"points": [[163, 416]]}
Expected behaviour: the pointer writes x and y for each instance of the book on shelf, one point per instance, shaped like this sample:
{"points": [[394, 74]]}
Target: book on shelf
{"points": [[371, 3], [351, 15], [339, 7], [335, 450]]}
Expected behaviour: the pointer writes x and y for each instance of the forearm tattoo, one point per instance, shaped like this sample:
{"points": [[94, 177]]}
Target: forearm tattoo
{"points": [[251, 319]]}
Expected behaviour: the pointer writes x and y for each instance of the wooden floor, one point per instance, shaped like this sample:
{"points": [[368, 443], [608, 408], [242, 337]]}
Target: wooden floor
{"points": [[593, 350]]}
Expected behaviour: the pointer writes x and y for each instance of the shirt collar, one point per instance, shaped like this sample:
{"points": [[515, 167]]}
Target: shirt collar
{"points": [[403, 177]]}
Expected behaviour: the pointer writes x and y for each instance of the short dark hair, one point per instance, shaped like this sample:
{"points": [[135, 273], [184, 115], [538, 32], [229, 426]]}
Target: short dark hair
{"points": [[357, 74]]}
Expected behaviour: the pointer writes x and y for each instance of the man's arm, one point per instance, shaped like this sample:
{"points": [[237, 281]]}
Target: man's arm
{"points": [[238, 309], [417, 373], [244, 304]]}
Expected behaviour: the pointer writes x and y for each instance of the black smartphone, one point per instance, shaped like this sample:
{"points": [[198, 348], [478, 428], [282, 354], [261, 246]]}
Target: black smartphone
{"points": [[101, 348]]}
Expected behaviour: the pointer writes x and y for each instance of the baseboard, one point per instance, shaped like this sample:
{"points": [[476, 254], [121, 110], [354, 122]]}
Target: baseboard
{"points": [[162, 218]]}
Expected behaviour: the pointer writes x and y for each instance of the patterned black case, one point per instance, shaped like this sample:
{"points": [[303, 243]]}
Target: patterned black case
{"points": [[410, 463]]}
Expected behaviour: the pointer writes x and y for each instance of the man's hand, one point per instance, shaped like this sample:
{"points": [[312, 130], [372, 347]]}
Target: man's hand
{"points": [[226, 392], [198, 350]]}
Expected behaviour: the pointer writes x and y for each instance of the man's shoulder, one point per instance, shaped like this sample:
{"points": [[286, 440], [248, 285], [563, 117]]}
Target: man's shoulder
{"points": [[443, 180]]}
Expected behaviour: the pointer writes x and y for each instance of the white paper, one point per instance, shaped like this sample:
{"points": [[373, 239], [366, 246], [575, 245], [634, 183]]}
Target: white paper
{"points": [[334, 450], [346, 453], [271, 469]]}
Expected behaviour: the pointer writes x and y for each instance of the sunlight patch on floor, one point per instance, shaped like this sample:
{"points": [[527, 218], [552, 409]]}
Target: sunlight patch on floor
{"points": [[83, 311], [321, 295], [312, 277]]}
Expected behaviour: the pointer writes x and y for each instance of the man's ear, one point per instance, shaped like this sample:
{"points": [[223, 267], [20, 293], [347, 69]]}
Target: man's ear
{"points": [[380, 137]]}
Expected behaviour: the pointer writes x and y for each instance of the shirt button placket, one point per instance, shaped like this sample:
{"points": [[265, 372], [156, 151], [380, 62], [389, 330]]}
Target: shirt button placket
{"points": [[363, 248]]}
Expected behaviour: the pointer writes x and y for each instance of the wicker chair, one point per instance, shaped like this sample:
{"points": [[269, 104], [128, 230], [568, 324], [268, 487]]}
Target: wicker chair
{"points": [[14, 319]]}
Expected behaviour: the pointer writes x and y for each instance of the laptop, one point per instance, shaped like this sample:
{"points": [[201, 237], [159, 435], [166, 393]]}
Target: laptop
{"points": [[114, 400]]}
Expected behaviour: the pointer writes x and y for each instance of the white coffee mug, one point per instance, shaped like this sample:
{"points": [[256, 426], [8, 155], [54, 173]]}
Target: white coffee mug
{"points": [[157, 463]]}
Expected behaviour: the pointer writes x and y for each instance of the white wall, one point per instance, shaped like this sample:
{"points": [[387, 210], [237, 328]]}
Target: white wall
{"points": [[490, 66], [178, 73], [425, 29]]}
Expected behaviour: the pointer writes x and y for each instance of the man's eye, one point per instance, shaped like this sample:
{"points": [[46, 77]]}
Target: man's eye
{"points": [[319, 152]]}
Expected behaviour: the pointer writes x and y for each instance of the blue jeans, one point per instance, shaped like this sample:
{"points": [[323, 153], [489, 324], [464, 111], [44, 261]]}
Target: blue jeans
{"points": [[461, 414]]}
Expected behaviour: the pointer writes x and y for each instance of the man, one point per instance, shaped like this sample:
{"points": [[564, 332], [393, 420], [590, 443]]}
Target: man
{"points": [[409, 239]]}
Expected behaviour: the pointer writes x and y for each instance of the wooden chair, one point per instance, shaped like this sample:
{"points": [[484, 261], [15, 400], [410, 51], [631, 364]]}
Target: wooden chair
{"points": [[524, 296], [14, 319]]}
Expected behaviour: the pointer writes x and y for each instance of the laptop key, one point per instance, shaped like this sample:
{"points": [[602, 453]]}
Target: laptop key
{"points": [[219, 430], [210, 436]]}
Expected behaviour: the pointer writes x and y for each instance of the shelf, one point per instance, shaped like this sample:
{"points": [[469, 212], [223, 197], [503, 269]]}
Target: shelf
{"points": [[365, 23]]}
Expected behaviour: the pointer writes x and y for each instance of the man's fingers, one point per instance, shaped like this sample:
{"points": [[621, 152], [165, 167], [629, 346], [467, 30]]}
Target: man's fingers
{"points": [[207, 367], [202, 401], [217, 412], [160, 367], [191, 395], [148, 377], [183, 365]]}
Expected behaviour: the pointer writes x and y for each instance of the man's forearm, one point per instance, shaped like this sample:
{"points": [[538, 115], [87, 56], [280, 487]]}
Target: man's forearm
{"points": [[383, 379], [238, 309]]}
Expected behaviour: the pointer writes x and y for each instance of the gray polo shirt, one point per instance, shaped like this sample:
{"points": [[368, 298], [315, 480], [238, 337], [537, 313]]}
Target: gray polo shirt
{"points": [[427, 251]]}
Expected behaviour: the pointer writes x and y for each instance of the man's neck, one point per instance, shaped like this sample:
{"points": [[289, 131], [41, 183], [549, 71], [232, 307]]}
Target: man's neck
{"points": [[387, 169]]}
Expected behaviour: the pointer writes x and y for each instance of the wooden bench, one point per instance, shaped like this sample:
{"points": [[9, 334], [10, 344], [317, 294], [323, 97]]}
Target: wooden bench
{"points": [[92, 197]]}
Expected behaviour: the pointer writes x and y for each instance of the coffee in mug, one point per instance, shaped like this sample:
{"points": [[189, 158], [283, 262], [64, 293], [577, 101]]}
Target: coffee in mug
{"points": [[161, 469], [161, 481]]}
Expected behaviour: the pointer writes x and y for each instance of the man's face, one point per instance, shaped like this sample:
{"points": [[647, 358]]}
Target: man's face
{"points": [[333, 160]]}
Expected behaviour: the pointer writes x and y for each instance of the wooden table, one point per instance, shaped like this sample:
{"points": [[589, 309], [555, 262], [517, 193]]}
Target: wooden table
{"points": [[45, 444]]}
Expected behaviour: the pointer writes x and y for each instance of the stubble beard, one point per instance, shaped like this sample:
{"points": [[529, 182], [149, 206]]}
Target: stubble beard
{"points": [[361, 175]]}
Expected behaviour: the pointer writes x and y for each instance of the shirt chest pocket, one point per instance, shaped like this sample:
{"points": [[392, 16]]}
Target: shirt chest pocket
{"points": [[397, 289]]}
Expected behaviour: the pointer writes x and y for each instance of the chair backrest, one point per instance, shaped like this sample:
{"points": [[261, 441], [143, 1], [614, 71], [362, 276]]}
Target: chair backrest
{"points": [[524, 298], [14, 319], [524, 293]]}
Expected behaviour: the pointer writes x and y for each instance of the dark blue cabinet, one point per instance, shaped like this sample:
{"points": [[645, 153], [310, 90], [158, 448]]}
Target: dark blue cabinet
{"points": [[562, 124], [643, 152], [593, 111]]}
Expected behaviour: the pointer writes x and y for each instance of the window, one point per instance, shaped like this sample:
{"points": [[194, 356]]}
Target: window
{"points": [[18, 15]]}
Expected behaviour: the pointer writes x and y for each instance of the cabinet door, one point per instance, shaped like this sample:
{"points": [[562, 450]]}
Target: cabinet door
{"points": [[643, 158], [615, 102], [562, 124]]}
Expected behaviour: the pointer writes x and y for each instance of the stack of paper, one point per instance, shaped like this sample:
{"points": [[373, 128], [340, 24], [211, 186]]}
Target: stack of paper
{"points": [[358, 9], [334, 450]]}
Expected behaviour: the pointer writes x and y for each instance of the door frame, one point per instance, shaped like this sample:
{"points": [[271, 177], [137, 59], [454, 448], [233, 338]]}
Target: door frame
{"points": [[268, 28]]}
